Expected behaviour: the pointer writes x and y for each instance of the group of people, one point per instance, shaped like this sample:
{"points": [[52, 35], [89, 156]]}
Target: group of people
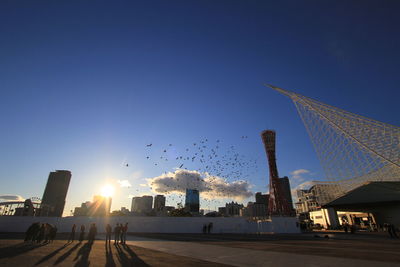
{"points": [[41, 232], [120, 231], [349, 227], [207, 228], [391, 229], [91, 235]]}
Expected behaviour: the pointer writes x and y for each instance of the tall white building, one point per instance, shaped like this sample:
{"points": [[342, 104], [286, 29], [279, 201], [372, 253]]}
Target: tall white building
{"points": [[142, 204], [159, 202]]}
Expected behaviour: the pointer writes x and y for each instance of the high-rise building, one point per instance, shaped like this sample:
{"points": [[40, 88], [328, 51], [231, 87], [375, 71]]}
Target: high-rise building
{"points": [[159, 202], [135, 204], [142, 204], [147, 205], [258, 209], [100, 206], [255, 210], [222, 211], [192, 200], [233, 209], [54, 195], [124, 211], [262, 198], [83, 209]]}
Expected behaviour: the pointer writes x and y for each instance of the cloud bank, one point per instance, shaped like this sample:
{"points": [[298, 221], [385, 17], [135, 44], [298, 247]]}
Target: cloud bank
{"points": [[211, 187], [11, 198], [124, 183], [297, 174]]}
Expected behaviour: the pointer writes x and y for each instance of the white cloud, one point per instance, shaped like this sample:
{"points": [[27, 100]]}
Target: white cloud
{"points": [[211, 187], [11, 198], [144, 185], [297, 174], [124, 183]]}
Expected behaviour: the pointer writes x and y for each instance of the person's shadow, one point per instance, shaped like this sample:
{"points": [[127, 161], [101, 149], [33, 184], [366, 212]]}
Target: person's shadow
{"points": [[15, 250], [109, 256], [83, 255], [52, 254], [132, 259], [66, 254], [122, 257]]}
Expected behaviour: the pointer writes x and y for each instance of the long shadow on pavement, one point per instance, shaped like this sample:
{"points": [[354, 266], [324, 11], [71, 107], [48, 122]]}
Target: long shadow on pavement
{"points": [[83, 254], [122, 257], [66, 254], [130, 259], [109, 256], [134, 258], [47, 257], [15, 250]]}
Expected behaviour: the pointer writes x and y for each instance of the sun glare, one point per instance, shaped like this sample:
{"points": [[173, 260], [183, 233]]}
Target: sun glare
{"points": [[107, 190]]}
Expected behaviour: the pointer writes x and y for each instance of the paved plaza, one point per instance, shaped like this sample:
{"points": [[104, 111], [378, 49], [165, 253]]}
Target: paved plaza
{"points": [[60, 253], [316, 249]]}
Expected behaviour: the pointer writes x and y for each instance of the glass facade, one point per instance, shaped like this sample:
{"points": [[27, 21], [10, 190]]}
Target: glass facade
{"points": [[192, 200]]}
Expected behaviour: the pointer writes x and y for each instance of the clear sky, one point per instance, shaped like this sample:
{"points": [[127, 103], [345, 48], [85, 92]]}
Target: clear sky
{"points": [[86, 85]]}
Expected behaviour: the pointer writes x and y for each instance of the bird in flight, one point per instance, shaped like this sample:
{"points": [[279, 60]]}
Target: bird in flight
{"points": [[149, 145]]}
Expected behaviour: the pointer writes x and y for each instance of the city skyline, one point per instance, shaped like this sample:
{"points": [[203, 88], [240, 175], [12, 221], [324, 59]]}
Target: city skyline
{"points": [[89, 96]]}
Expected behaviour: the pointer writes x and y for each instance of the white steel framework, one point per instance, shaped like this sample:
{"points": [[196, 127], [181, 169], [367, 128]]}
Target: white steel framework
{"points": [[351, 148]]}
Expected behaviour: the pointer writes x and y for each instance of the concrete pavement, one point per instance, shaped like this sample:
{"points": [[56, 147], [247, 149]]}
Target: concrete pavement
{"points": [[83, 254], [247, 257]]}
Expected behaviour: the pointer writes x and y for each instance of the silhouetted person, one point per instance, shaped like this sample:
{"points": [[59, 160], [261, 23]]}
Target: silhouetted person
{"points": [[346, 227], [394, 231], [53, 233], [117, 232], [35, 231], [391, 230], [92, 232], [209, 228], [124, 230], [47, 231], [205, 229], [31, 233], [72, 235], [28, 232], [41, 233], [82, 234], [108, 233], [353, 229]]}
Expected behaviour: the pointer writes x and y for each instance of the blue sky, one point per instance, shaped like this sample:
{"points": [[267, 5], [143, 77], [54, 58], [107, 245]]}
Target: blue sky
{"points": [[86, 85]]}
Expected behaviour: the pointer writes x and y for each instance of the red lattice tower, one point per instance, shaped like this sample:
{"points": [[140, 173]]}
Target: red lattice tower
{"points": [[278, 204]]}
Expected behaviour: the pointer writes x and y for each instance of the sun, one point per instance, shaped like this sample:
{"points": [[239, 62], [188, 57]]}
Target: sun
{"points": [[107, 190]]}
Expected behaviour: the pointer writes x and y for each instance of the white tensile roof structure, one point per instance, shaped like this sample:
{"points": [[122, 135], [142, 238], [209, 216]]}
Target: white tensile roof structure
{"points": [[352, 149]]}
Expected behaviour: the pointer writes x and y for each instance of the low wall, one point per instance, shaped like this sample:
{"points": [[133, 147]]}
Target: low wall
{"points": [[157, 224]]}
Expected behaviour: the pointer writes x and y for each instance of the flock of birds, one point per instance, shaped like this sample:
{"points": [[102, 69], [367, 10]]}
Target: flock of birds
{"points": [[204, 156]]}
